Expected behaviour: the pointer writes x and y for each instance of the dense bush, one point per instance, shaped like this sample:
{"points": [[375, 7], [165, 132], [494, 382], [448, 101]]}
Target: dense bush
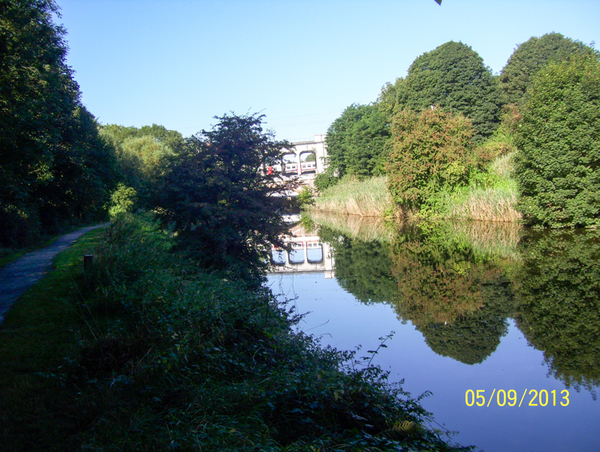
{"points": [[558, 163], [325, 180], [216, 196], [431, 151]]}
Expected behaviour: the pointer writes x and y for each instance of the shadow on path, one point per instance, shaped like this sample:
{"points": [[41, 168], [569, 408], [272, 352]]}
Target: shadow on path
{"points": [[23, 273]]}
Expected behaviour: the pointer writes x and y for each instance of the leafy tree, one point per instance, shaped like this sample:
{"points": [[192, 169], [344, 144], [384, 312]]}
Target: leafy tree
{"points": [[454, 77], [53, 166], [558, 163], [142, 154], [170, 138], [531, 56], [84, 171], [431, 151], [217, 196], [37, 95], [356, 141]]}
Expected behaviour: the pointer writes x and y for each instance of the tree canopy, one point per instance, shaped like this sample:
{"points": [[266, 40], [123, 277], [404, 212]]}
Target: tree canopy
{"points": [[531, 56], [558, 163], [454, 77], [356, 141], [142, 154], [54, 167]]}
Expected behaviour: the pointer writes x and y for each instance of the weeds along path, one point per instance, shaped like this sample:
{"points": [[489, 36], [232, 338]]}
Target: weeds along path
{"points": [[23, 273]]}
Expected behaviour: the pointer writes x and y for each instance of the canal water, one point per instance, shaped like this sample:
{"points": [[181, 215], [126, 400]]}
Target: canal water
{"points": [[498, 327]]}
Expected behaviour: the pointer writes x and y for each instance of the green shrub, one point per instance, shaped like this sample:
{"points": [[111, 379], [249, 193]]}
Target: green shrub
{"points": [[432, 151], [306, 197], [325, 180], [558, 163], [122, 200]]}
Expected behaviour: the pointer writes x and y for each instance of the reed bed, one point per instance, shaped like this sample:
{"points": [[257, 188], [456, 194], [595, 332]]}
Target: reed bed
{"points": [[365, 198], [491, 204]]}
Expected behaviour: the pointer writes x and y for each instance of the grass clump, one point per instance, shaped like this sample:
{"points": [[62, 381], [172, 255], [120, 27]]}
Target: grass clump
{"points": [[491, 195], [352, 196], [170, 357]]}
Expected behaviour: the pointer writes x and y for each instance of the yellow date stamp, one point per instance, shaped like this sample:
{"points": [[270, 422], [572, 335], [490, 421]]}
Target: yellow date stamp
{"points": [[529, 397]]}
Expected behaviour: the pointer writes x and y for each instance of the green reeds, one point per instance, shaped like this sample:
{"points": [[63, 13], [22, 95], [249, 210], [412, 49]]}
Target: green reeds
{"points": [[352, 196]]}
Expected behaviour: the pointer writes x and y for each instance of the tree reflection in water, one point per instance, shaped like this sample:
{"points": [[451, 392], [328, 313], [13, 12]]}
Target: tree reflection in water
{"points": [[558, 287], [459, 285]]}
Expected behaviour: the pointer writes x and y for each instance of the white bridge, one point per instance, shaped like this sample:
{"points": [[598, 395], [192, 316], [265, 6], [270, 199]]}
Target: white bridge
{"points": [[307, 158]]}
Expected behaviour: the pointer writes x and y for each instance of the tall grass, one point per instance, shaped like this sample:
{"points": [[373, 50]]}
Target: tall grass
{"points": [[492, 196], [352, 196]]}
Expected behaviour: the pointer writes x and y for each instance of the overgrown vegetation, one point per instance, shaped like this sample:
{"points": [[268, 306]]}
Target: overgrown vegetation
{"points": [[168, 356], [432, 152], [558, 163], [55, 169], [431, 175], [491, 195]]}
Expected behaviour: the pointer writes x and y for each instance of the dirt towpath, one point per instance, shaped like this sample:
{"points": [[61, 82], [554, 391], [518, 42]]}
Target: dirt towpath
{"points": [[23, 273]]}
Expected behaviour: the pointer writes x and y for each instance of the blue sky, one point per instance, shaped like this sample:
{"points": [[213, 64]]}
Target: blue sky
{"points": [[179, 63]]}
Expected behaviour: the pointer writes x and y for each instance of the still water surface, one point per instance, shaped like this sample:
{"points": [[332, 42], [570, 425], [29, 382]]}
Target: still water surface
{"points": [[470, 310]]}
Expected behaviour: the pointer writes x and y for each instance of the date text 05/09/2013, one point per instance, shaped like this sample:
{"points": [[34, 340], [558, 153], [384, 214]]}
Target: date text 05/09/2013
{"points": [[511, 398]]}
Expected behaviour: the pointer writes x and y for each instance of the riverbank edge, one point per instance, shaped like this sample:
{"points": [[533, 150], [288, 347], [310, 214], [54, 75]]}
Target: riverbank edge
{"points": [[369, 197], [239, 379]]}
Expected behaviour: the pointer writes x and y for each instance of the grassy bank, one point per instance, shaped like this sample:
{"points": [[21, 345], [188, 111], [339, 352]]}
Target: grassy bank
{"points": [[39, 333], [490, 196], [158, 355], [351, 196]]}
